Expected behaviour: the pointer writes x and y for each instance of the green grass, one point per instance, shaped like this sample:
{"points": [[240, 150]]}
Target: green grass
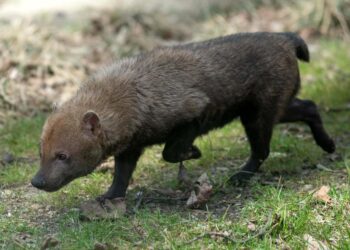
{"points": [[20, 138], [25, 219], [326, 77]]}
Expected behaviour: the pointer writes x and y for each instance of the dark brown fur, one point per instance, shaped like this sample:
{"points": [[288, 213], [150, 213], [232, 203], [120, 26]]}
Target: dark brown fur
{"points": [[172, 95]]}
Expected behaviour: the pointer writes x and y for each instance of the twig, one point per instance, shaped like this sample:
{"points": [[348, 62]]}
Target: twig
{"points": [[342, 21], [4, 99], [212, 234], [267, 229], [139, 197], [330, 11], [163, 199], [340, 109]]}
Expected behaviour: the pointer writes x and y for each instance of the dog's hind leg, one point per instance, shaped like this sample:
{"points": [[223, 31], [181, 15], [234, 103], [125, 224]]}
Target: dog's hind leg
{"points": [[258, 126], [306, 111]]}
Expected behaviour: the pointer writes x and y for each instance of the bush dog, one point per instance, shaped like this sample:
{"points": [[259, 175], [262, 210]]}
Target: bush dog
{"points": [[172, 95]]}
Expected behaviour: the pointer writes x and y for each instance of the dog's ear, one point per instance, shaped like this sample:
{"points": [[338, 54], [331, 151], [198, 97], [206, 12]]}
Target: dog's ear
{"points": [[91, 123]]}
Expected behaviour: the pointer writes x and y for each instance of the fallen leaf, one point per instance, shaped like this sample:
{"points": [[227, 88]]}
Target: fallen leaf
{"points": [[7, 158], [282, 244], [107, 166], [139, 229], [313, 244], [335, 157], [100, 246], [307, 188], [23, 238], [324, 168], [201, 193], [251, 226], [322, 194], [49, 242]]}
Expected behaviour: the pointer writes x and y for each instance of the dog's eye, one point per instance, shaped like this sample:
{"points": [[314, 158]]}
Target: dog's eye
{"points": [[61, 157]]}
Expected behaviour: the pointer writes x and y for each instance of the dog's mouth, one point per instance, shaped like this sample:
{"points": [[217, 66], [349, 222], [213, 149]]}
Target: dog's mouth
{"points": [[67, 179], [56, 187]]}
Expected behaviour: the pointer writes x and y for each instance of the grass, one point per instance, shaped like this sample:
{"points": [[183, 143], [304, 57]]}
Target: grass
{"points": [[327, 81], [280, 192]]}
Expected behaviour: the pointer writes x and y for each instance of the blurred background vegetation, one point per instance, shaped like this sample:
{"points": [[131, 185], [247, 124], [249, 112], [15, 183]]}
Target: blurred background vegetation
{"points": [[47, 47]]}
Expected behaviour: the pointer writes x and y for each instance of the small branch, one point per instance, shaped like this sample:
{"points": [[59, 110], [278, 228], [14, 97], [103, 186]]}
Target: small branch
{"points": [[342, 21], [4, 99], [217, 234], [163, 199], [330, 11], [139, 197], [339, 109]]}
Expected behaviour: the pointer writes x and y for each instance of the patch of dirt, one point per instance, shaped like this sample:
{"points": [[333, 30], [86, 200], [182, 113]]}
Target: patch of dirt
{"points": [[20, 202]]}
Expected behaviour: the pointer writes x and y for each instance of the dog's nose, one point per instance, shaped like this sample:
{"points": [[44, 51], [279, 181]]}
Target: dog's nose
{"points": [[38, 182]]}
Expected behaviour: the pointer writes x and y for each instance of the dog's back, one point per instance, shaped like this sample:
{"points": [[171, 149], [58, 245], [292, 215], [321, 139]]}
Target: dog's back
{"points": [[182, 83]]}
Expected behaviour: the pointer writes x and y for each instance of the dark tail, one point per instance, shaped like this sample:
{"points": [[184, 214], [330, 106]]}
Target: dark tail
{"points": [[301, 49]]}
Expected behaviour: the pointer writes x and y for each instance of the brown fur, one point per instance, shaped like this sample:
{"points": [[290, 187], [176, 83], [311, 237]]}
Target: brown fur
{"points": [[166, 93]]}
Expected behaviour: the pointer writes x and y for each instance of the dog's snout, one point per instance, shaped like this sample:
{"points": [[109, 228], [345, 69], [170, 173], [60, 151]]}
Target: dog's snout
{"points": [[38, 182]]}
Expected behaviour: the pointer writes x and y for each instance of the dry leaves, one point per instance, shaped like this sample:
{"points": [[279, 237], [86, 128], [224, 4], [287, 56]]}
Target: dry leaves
{"points": [[104, 246], [50, 242], [313, 244], [106, 166], [251, 226], [23, 239], [322, 195], [201, 193]]}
